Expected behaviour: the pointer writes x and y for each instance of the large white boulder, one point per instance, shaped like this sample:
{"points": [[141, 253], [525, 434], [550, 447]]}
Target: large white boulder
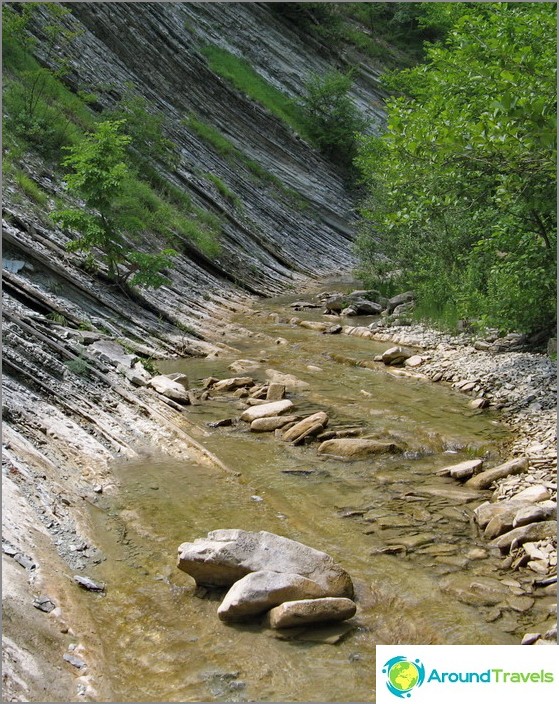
{"points": [[225, 556]]}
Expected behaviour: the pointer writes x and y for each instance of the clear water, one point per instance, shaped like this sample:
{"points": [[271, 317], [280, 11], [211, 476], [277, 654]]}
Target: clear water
{"points": [[162, 638]]}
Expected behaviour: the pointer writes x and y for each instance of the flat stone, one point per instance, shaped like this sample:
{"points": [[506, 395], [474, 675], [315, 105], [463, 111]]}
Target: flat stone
{"points": [[261, 591], [474, 590], [302, 612], [414, 361], [266, 410], [531, 514], [275, 392], [271, 423], [520, 603], [453, 493], [463, 470], [288, 380], [479, 403], [112, 353], [524, 534], [233, 383], [356, 447], [485, 479], [225, 556], [244, 365], [179, 378], [533, 494], [316, 420]]}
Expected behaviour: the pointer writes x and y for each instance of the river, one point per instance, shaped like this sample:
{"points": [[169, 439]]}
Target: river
{"points": [[402, 532]]}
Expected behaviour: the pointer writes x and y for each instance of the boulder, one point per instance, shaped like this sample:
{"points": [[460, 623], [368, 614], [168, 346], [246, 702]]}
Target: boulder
{"points": [[363, 307], [261, 591], [396, 301], [228, 555], [271, 423], [305, 611], [318, 421], [169, 388], [265, 410], [395, 356], [485, 479], [335, 304], [356, 447]]}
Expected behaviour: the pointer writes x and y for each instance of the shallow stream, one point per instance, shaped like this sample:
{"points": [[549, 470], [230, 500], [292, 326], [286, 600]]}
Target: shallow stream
{"points": [[398, 529]]}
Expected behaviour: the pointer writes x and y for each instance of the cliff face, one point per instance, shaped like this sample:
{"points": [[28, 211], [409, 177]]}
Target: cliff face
{"points": [[62, 426]]}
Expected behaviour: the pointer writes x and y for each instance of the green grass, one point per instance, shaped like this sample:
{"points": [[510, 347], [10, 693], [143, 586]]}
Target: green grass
{"points": [[211, 136], [241, 74], [31, 189], [225, 191]]}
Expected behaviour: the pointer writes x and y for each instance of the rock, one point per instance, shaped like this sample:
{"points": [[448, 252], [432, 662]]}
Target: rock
{"points": [[529, 638], [288, 380], [302, 612], [524, 534], [349, 311], [89, 584], [363, 307], [356, 447], [414, 361], [75, 661], [395, 301], [244, 365], [333, 330], [479, 403], [463, 470], [228, 555], [301, 305], [474, 590], [335, 304], [533, 494], [520, 603], [137, 374], [271, 423], [532, 514], [485, 479], [179, 378], [487, 511], [233, 383], [275, 392], [395, 356], [317, 420], [112, 353], [171, 389], [314, 325], [222, 423], [266, 410], [44, 603], [261, 591], [403, 308]]}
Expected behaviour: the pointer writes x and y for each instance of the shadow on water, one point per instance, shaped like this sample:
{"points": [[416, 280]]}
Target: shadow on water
{"points": [[397, 527]]}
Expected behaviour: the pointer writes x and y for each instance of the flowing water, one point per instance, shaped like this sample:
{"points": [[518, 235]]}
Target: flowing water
{"points": [[398, 528]]}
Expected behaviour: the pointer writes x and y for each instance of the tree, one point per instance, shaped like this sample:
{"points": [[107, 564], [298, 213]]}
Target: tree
{"points": [[331, 119], [100, 175], [462, 186]]}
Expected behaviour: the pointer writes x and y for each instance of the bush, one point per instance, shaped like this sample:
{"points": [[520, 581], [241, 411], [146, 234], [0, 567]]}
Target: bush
{"points": [[330, 117]]}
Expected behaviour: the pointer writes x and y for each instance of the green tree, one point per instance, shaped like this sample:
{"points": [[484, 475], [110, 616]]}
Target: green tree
{"points": [[101, 177], [462, 186], [331, 119]]}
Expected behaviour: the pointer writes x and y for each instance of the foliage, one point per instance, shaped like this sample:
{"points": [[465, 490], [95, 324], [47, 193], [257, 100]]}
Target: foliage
{"points": [[39, 109], [331, 118], [145, 129], [462, 186], [100, 175], [223, 188], [31, 189]]}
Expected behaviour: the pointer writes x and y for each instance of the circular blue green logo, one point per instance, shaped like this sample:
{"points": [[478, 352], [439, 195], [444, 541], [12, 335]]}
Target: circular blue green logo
{"points": [[403, 675]]}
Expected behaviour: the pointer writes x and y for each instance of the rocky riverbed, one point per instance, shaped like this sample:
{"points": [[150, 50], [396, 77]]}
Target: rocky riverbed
{"points": [[497, 372]]}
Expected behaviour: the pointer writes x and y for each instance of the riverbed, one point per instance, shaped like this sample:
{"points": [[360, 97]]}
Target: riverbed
{"points": [[404, 533]]}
